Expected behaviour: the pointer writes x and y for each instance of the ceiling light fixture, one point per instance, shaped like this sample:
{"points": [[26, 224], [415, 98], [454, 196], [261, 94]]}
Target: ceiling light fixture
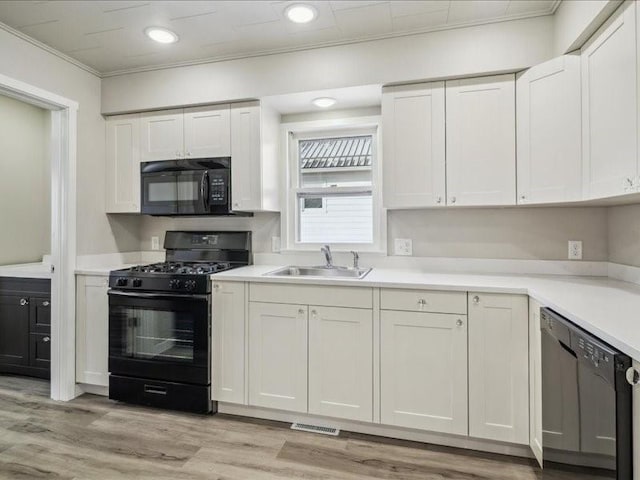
{"points": [[300, 13], [324, 102], [161, 35]]}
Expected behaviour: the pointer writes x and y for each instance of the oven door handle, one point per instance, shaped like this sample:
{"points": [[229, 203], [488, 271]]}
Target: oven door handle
{"points": [[119, 293]]}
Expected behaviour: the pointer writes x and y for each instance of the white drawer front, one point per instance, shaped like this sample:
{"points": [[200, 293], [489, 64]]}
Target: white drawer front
{"points": [[325, 296], [424, 301]]}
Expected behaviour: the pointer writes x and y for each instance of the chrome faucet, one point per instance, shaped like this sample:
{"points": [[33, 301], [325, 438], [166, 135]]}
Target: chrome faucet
{"points": [[327, 255], [356, 260]]}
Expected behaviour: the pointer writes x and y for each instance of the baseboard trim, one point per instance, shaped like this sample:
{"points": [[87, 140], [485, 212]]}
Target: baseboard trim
{"points": [[443, 439], [93, 389]]}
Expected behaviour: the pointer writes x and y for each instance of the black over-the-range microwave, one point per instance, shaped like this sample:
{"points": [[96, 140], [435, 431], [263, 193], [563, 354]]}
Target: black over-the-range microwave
{"points": [[187, 187]]}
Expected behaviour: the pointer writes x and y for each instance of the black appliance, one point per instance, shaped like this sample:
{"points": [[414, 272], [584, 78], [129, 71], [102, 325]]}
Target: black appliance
{"points": [[187, 187], [160, 321], [586, 404]]}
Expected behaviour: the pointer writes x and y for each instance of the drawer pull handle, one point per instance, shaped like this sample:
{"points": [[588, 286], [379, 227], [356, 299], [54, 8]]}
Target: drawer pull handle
{"points": [[422, 302], [155, 390], [46, 339]]}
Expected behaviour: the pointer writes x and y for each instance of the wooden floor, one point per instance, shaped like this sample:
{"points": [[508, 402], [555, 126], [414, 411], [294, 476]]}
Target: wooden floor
{"points": [[95, 438]]}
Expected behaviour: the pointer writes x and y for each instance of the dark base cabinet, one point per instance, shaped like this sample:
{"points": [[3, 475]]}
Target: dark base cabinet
{"points": [[25, 326]]}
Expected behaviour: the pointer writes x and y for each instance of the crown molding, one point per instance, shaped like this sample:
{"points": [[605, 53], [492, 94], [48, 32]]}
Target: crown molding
{"points": [[51, 50]]}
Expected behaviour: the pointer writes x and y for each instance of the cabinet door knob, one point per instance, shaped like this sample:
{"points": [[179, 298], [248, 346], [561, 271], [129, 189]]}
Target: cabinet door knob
{"points": [[459, 322], [476, 299], [439, 200], [23, 302], [523, 197], [314, 313], [45, 303], [633, 377], [46, 339], [301, 311], [453, 199], [178, 154]]}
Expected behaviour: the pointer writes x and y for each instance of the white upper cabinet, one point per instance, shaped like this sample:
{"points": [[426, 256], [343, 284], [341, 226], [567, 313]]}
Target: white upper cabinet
{"points": [[123, 164], [254, 158], [198, 132], [549, 132], [610, 107], [414, 145], [499, 367], [162, 135], [341, 362], [481, 134], [207, 132]]}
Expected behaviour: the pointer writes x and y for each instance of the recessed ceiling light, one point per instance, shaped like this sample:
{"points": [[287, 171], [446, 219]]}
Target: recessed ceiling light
{"points": [[161, 35], [300, 13], [324, 102]]}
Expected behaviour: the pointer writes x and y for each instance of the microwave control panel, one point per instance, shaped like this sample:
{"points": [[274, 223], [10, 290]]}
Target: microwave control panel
{"points": [[218, 190]]}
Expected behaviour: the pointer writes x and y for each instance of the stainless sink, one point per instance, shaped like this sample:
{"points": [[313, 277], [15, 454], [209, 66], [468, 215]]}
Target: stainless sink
{"points": [[334, 272]]}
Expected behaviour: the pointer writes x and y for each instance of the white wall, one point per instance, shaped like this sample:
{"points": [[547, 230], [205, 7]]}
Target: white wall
{"points": [[23, 61], [516, 233], [576, 20], [505, 46], [624, 235], [25, 179]]}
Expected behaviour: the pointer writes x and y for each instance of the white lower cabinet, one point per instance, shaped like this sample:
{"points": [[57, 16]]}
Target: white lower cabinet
{"points": [[92, 330], [499, 367], [535, 380], [341, 362], [228, 342], [424, 371], [278, 356]]}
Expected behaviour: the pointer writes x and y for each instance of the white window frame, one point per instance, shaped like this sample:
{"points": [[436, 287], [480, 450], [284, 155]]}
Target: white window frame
{"points": [[292, 133]]}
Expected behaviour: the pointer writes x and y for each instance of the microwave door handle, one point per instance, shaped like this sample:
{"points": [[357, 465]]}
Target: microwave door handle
{"points": [[204, 190]]}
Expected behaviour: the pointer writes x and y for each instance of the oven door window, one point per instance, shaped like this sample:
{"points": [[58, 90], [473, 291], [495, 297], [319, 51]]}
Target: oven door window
{"points": [[157, 335]]}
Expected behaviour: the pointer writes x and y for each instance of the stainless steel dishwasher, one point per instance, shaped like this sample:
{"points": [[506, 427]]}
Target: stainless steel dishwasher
{"points": [[586, 404]]}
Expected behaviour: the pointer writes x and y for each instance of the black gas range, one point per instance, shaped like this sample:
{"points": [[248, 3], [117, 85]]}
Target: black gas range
{"points": [[160, 321]]}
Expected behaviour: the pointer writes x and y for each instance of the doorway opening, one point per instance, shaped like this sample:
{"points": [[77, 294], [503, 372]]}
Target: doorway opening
{"points": [[61, 118]]}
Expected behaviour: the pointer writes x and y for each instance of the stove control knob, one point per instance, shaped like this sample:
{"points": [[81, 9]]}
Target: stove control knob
{"points": [[190, 285], [175, 284], [136, 282], [121, 282]]}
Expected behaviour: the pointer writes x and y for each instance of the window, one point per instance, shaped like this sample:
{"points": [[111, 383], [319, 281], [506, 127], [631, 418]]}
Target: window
{"points": [[334, 195]]}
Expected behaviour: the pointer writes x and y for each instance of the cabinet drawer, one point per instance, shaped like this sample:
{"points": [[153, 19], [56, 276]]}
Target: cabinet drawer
{"points": [[356, 297], [423, 301]]}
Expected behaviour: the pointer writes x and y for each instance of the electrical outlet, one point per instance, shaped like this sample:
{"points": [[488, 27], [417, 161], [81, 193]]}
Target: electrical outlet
{"points": [[403, 246], [155, 243], [275, 244], [575, 250]]}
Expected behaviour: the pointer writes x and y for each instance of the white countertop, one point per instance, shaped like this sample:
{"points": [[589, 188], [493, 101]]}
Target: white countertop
{"points": [[26, 270], [609, 309], [102, 270]]}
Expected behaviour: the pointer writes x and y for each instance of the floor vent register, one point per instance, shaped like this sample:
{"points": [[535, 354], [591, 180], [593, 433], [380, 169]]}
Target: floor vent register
{"points": [[305, 427]]}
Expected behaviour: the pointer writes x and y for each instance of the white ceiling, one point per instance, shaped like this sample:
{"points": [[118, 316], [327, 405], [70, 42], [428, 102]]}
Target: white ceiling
{"points": [[108, 36]]}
